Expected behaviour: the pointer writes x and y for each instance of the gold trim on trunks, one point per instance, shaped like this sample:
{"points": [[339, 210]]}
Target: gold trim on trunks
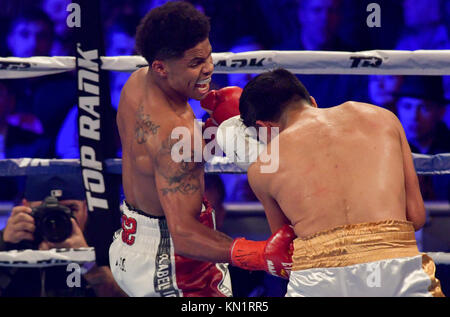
{"points": [[362, 243], [353, 244]]}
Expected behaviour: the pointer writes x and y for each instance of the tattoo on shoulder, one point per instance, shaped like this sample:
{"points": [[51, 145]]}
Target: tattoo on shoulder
{"points": [[144, 126], [181, 177]]}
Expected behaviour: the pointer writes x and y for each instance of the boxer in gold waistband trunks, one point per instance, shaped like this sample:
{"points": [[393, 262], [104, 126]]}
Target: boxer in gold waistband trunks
{"points": [[347, 184], [167, 245]]}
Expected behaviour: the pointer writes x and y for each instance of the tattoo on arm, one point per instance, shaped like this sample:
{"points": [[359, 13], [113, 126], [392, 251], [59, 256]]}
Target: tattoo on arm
{"points": [[144, 126], [181, 177]]}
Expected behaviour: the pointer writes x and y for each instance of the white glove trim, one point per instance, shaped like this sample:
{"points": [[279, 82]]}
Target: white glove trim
{"points": [[238, 142]]}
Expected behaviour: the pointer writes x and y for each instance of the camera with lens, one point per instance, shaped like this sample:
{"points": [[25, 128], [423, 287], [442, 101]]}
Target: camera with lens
{"points": [[52, 221]]}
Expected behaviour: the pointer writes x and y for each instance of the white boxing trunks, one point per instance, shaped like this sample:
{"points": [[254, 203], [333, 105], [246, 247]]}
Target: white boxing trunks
{"points": [[368, 259], [143, 261]]}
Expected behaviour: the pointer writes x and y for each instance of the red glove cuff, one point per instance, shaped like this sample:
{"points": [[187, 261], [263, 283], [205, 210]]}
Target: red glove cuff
{"points": [[248, 255]]}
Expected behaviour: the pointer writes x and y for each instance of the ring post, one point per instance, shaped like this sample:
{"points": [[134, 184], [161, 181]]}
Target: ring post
{"points": [[96, 132]]}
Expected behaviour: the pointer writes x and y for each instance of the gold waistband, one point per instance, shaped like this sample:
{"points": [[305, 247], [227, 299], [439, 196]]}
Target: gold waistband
{"points": [[354, 244]]}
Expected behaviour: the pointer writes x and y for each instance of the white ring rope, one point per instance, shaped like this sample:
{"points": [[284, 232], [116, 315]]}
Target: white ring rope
{"points": [[382, 62], [46, 258]]}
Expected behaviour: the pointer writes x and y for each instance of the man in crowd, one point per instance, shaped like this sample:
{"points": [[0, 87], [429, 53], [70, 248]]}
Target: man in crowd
{"points": [[21, 232]]}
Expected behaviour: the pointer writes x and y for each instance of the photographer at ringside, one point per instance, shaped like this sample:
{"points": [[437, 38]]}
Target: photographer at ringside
{"points": [[53, 214]]}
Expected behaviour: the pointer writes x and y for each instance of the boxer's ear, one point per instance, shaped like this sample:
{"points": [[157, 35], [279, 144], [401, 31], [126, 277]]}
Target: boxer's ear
{"points": [[159, 67], [267, 124], [260, 123], [313, 102]]}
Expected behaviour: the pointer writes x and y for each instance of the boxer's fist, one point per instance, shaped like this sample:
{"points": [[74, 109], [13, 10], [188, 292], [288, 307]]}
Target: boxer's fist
{"points": [[240, 143], [273, 255], [278, 252], [209, 123], [222, 104]]}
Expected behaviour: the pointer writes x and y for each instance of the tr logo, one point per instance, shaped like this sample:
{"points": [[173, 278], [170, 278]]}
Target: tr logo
{"points": [[366, 61]]}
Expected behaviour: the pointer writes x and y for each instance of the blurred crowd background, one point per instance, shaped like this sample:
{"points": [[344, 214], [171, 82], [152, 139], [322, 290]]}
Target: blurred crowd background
{"points": [[38, 115]]}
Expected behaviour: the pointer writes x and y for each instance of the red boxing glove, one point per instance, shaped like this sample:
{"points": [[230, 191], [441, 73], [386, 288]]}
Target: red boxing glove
{"points": [[273, 255], [209, 123], [222, 104]]}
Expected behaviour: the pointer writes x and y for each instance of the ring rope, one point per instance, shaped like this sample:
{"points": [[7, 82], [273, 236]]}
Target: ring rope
{"points": [[45, 258], [381, 62]]}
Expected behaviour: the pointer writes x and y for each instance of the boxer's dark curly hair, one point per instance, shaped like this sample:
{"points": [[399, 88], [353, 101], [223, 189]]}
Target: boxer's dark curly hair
{"points": [[169, 30], [266, 96]]}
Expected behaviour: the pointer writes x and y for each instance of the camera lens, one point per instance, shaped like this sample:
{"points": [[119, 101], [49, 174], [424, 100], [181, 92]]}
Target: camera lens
{"points": [[56, 226]]}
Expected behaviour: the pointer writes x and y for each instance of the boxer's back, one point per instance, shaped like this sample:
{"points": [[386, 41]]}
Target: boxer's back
{"points": [[342, 166]]}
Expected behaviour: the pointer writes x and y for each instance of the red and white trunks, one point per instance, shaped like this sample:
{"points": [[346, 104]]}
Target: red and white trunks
{"points": [[143, 261]]}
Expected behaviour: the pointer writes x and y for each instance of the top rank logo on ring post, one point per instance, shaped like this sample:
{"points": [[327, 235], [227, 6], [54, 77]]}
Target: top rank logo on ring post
{"points": [[188, 148]]}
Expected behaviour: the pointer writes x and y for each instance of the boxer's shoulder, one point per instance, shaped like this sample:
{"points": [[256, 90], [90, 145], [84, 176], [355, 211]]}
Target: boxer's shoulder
{"points": [[135, 80], [361, 113], [131, 95], [172, 130], [363, 107]]}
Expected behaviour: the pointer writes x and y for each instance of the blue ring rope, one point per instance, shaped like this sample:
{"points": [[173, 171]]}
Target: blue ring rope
{"points": [[438, 164]]}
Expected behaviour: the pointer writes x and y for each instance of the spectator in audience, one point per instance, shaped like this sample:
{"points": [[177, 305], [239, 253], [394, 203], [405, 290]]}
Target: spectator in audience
{"points": [[243, 44], [20, 233], [420, 107], [50, 97], [19, 132], [63, 42], [19, 137], [382, 90], [426, 27], [30, 34], [233, 18], [318, 26]]}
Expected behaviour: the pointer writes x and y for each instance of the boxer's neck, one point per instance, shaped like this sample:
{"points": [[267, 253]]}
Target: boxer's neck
{"points": [[294, 113], [175, 99]]}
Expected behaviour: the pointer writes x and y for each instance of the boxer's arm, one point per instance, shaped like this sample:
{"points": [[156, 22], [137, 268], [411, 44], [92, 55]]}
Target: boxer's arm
{"points": [[275, 216], [180, 190], [415, 209]]}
